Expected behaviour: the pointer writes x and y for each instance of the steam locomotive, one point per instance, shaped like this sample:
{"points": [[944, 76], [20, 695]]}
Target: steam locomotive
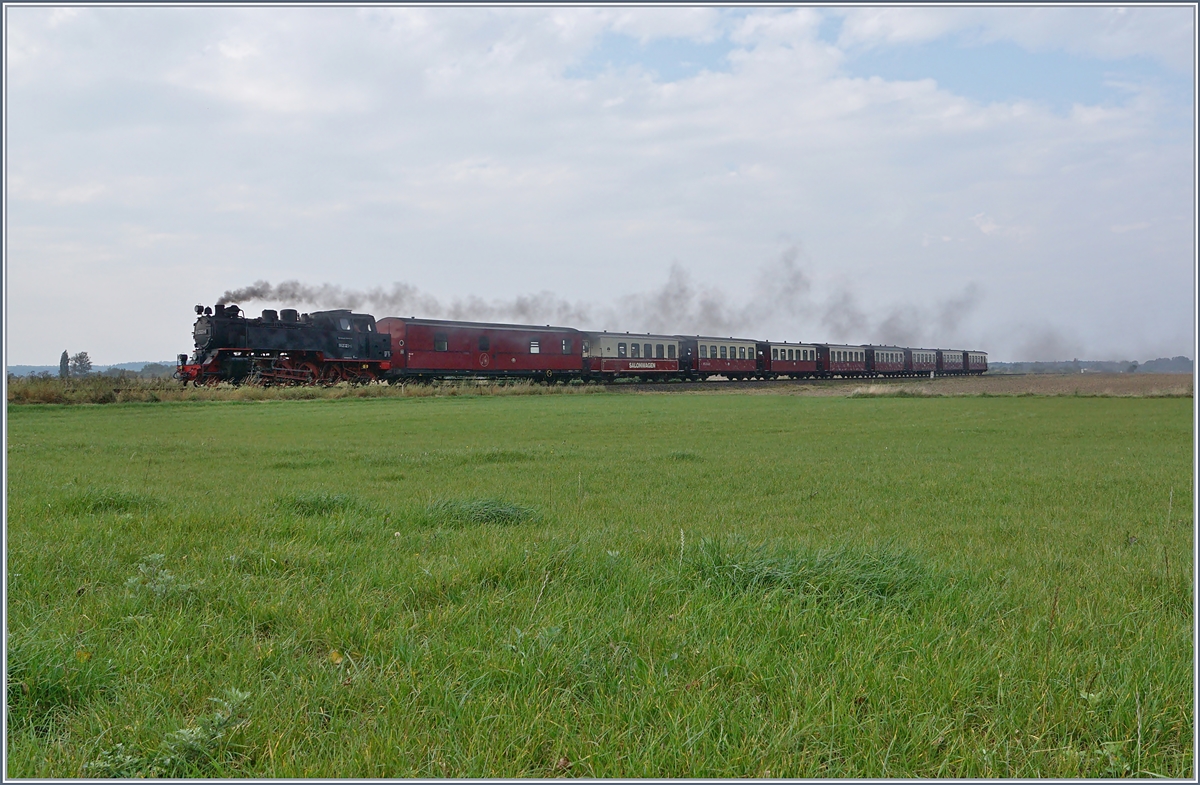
{"points": [[327, 347], [284, 348]]}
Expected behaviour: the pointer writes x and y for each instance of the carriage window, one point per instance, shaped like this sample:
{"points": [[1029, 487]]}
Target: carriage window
{"points": [[587, 349], [621, 349], [440, 344], [535, 347], [566, 346], [670, 351], [658, 350], [791, 354], [704, 351], [741, 352], [485, 343], [774, 353], [646, 352], [723, 355], [635, 350]]}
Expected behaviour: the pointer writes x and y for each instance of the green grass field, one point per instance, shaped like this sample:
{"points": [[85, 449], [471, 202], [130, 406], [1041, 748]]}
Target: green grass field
{"points": [[602, 585]]}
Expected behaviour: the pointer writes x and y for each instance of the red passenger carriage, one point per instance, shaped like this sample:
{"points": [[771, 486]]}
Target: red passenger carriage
{"points": [[923, 361], [842, 360], [887, 360], [615, 355], [951, 361], [788, 359], [977, 362], [428, 348], [733, 358]]}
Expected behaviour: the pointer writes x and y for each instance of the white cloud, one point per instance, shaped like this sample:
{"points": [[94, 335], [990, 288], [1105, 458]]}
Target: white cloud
{"points": [[61, 16], [1163, 34]]}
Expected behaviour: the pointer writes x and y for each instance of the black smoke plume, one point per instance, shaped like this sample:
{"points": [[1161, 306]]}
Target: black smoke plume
{"points": [[781, 301]]}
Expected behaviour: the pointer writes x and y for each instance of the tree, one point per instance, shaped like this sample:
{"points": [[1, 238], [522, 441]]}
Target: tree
{"points": [[81, 364], [64, 365]]}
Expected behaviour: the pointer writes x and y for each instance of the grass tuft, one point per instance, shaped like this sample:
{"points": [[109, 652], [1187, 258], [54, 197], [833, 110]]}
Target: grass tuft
{"points": [[50, 678], [683, 456], [319, 504], [893, 391], [731, 567], [495, 455], [476, 511], [98, 501]]}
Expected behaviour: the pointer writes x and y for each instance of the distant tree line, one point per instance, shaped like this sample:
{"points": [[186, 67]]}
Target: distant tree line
{"points": [[80, 366], [1160, 365]]}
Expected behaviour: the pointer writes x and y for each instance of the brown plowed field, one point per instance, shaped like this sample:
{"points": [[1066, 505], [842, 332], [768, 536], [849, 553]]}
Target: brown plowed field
{"points": [[1087, 384]]}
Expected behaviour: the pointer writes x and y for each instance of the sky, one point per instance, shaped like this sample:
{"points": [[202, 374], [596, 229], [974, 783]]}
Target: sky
{"points": [[1017, 180]]}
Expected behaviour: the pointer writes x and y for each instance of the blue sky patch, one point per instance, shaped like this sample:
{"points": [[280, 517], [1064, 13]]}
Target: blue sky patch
{"points": [[670, 59], [1005, 72]]}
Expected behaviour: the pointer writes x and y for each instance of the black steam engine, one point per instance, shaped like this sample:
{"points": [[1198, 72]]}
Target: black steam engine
{"points": [[284, 347]]}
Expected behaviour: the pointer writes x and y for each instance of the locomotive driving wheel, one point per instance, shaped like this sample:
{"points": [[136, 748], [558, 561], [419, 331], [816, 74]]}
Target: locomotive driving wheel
{"points": [[333, 374], [292, 371]]}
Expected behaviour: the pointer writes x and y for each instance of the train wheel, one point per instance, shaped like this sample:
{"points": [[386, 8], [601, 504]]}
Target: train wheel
{"points": [[311, 370]]}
